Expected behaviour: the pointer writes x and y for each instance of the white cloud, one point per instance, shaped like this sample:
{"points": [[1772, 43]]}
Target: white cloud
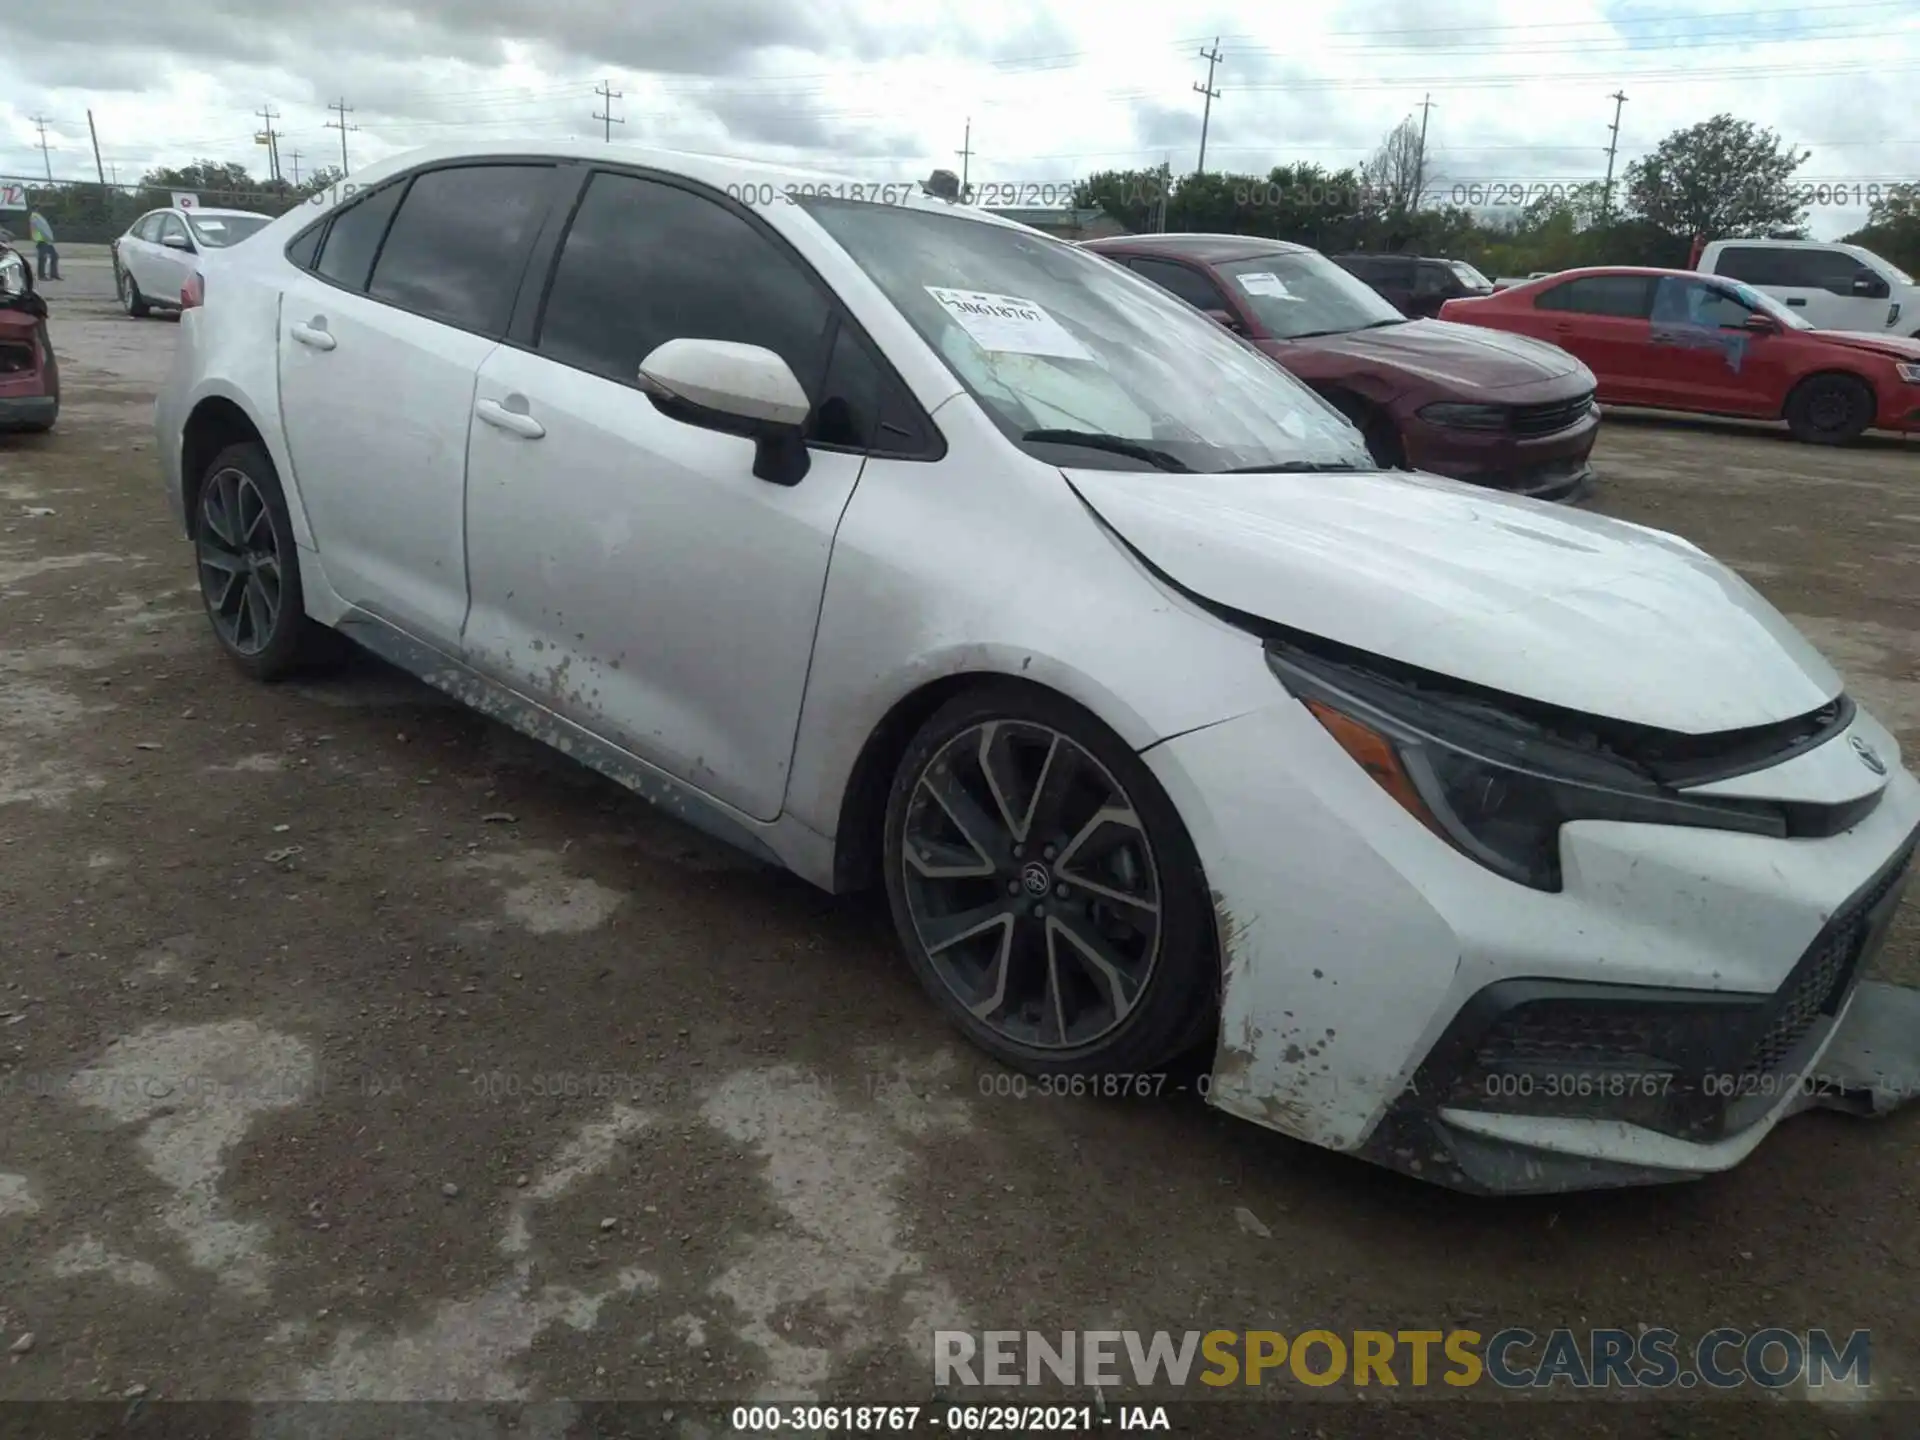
{"points": [[1521, 94]]}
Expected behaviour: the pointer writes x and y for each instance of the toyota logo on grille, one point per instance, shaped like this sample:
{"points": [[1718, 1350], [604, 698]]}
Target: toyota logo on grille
{"points": [[1869, 757], [1034, 876]]}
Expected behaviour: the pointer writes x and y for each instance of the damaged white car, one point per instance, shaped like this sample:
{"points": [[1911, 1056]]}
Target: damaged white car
{"points": [[1507, 845]]}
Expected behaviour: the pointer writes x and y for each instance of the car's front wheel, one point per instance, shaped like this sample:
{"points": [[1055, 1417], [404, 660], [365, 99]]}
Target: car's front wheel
{"points": [[1045, 891], [249, 571], [1830, 409]]}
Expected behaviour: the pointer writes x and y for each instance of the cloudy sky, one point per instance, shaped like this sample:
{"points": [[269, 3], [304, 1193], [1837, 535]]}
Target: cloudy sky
{"points": [[1053, 88]]}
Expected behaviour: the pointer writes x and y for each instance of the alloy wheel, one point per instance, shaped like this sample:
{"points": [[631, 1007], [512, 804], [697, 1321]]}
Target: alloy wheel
{"points": [[1830, 408], [1031, 884], [240, 561]]}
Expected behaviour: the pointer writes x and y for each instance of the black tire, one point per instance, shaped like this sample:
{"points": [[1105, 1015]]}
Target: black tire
{"points": [[1376, 427], [131, 299], [225, 522], [1830, 409], [1173, 1009]]}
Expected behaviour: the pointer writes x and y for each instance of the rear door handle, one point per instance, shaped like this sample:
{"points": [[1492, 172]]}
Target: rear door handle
{"points": [[314, 335], [511, 417]]}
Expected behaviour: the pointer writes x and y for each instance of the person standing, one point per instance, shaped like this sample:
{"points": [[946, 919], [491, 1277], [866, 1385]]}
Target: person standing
{"points": [[49, 257]]}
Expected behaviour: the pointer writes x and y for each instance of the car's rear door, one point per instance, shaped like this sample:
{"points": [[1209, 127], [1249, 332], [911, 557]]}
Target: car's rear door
{"points": [[1603, 321], [628, 569], [139, 250], [380, 343]]}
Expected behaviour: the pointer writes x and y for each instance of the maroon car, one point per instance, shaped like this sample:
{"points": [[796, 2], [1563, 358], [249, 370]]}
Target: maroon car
{"points": [[1497, 410], [29, 376]]}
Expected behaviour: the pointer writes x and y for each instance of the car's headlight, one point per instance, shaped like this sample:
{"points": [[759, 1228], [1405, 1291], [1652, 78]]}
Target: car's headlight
{"points": [[13, 274], [1495, 785], [1909, 371], [1466, 417]]}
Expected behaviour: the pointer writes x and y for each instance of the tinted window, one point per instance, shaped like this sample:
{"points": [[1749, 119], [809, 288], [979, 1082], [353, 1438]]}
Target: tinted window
{"points": [[1190, 285], [457, 248], [354, 238], [1360, 265], [1433, 278], [1625, 297], [1755, 264], [645, 263], [303, 250], [862, 406], [1696, 303]]}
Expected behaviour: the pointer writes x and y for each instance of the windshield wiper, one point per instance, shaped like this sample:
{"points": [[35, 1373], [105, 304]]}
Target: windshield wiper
{"points": [[1393, 320], [1114, 444], [1295, 467], [1346, 329]]}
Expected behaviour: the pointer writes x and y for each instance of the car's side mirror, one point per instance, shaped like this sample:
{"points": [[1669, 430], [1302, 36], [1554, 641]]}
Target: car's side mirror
{"points": [[743, 390], [176, 242], [1224, 318], [1870, 286], [1761, 324]]}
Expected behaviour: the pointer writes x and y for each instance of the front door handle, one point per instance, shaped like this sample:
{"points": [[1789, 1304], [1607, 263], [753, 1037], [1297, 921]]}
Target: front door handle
{"points": [[511, 417], [315, 334]]}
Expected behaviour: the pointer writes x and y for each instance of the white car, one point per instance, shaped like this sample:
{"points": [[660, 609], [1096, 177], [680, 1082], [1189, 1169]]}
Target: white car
{"points": [[1833, 285], [164, 249], [1512, 846]]}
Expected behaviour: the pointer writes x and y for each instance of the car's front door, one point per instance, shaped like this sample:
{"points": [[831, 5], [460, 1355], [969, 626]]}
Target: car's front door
{"points": [[1707, 356], [379, 346], [628, 569], [173, 260]]}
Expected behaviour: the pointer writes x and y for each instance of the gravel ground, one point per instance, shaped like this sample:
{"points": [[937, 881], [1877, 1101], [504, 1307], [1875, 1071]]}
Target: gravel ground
{"points": [[353, 1047]]}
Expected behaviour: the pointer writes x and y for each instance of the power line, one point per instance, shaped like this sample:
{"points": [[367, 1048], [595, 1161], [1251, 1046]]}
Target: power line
{"points": [[1212, 57], [343, 109], [606, 92]]}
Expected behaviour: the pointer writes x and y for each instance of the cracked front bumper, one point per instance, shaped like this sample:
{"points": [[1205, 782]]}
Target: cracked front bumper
{"points": [[1367, 966]]}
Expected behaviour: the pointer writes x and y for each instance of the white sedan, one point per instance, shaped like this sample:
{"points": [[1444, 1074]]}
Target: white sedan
{"points": [[165, 249], [1507, 845]]}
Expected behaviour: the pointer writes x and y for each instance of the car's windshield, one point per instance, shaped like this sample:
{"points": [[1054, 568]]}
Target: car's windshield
{"points": [[217, 231], [1296, 294], [1050, 338], [1469, 276]]}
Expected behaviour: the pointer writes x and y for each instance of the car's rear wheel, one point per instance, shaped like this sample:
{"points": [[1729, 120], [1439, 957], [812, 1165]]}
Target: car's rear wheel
{"points": [[130, 297], [1830, 409], [249, 570], [1045, 891]]}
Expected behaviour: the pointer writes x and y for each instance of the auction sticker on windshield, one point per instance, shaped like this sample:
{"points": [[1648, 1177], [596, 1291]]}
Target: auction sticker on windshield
{"points": [[1265, 282], [1008, 324]]}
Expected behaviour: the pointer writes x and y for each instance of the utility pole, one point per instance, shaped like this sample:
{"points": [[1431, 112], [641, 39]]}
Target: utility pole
{"points": [[606, 92], [1420, 164], [98, 169], [1619, 98], [267, 138], [1212, 57], [342, 126], [294, 155], [45, 155], [965, 152]]}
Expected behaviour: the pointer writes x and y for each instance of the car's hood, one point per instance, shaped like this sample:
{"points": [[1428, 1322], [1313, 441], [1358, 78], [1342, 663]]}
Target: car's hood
{"points": [[1897, 346], [1458, 356], [1558, 605]]}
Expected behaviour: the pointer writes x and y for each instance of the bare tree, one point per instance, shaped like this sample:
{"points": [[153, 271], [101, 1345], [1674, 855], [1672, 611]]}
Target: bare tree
{"points": [[1395, 173]]}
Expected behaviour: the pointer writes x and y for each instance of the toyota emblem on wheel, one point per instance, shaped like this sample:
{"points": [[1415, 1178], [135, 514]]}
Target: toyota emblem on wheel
{"points": [[1869, 757], [1035, 877]]}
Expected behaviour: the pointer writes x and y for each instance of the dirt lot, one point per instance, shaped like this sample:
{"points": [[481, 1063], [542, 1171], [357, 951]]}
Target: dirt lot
{"points": [[351, 1046]]}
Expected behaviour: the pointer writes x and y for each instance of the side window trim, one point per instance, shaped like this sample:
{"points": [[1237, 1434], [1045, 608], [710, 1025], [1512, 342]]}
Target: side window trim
{"points": [[524, 333]]}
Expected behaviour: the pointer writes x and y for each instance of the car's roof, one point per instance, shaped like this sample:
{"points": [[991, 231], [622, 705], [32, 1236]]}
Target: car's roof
{"points": [[1209, 249], [718, 171]]}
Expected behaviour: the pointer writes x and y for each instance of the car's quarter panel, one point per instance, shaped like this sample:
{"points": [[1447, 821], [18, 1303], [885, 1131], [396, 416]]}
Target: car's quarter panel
{"points": [[376, 430], [632, 571], [987, 566], [1351, 936], [1558, 605]]}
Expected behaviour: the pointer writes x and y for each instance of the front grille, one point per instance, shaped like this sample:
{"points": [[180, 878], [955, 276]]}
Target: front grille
{"points": [[1821, 981], [1548, 418]]}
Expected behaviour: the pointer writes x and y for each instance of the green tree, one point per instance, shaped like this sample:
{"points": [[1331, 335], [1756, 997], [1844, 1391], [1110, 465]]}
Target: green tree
{"points": [[1893, 228], [1721, 178]]}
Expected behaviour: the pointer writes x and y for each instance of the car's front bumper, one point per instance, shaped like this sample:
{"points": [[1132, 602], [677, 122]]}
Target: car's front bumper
{"points": [[1548, 467], [1365, 962]]}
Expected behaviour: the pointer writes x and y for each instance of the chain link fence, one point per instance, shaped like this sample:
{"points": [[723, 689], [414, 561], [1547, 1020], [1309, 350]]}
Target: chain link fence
{"points": [[84, 212]]}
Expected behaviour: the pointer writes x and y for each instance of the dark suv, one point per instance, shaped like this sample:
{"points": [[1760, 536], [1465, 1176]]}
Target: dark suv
{"points": [[1415, 285]]}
